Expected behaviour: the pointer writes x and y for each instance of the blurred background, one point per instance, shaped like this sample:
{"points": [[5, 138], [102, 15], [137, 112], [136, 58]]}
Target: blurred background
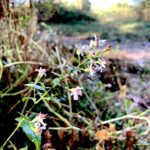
{"points": [[125, 23]]}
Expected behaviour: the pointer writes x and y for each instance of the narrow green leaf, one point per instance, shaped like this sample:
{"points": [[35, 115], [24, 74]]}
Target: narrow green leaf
{"points": [[35, 86], [56, 81], [24, 148]]}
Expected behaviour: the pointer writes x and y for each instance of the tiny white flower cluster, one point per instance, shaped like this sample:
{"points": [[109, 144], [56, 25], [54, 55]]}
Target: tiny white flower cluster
{"points": [[94, 46], [39, 124], [93, 68], [94, 52]]}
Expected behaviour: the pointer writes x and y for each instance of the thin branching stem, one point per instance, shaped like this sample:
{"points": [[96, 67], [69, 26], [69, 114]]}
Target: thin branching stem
{"points": [[88, 98], [131, 116]]}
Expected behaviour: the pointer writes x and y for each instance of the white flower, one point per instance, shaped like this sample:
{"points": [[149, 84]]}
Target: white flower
{"points": [[41, 72], [92, 44], [81, 50], [102, 43], [95, 37], [91, 71], [76, 92], [102, 65], [92, 53], [39, 124], [84, 48]]}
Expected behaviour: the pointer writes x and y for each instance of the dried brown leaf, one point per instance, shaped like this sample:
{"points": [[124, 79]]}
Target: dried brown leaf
{"points": [[102, 134], [112, 128]]}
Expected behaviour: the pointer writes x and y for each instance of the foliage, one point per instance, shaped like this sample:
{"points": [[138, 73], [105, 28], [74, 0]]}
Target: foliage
{"points": [[142, 9], [50, 11], [62, 102], [46, 9], [28, 129]]}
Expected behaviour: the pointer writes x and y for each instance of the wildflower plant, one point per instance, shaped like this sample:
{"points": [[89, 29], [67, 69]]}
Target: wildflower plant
{"points": [[58, 90], [90, 59], [93, 56]]}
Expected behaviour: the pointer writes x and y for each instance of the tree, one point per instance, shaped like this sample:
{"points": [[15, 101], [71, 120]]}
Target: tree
{"points": [[83, 5], [142, 8]]}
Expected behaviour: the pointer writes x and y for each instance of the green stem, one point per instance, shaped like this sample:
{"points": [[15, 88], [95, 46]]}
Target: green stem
{"points": [[22, 62], [126, 105], [57, 114], [145, 112], [131, 116], [19, 124], [65, 128], [79, 60], [70, 106], [88, 98], [14, 94]]}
